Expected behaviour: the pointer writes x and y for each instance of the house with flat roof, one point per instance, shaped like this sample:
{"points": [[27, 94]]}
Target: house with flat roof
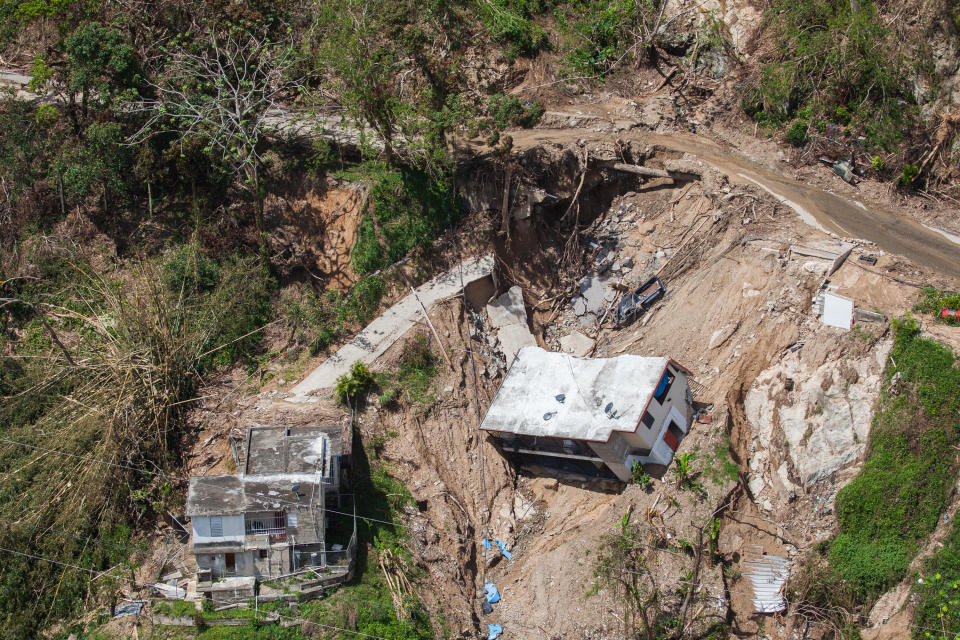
{"points": [[593, 413], [268, 520]]}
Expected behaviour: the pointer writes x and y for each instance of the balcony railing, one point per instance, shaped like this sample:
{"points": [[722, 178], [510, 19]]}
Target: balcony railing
{"points": [[277, 534]]}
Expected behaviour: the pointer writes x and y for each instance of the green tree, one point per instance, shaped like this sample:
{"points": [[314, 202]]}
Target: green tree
{"points": [[99, 65]]}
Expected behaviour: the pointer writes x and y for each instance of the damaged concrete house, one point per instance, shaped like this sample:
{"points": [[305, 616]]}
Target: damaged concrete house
{"points": [[591, 416], [269, 519]]}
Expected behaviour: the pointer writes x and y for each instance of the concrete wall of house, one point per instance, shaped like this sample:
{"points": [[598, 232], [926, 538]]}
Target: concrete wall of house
{"points": [[272, 562], [647, 438], [613, 454], [232, 527], [216, 563]]}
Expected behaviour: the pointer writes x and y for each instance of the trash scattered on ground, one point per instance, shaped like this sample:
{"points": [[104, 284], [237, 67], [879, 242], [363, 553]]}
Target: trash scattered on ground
{"points": [[868, 259], [840, 167], [503, 550], [129, 609], [495, 631], [493, 596]]}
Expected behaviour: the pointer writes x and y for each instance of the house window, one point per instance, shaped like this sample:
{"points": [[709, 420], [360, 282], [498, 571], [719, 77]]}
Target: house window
{"points": [[216, 527], [263, 553], [291, 519], [663, 389], [647, 419]]}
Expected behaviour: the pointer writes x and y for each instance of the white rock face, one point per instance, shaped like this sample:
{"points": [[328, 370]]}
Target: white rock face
{"points": [[819, 427]]}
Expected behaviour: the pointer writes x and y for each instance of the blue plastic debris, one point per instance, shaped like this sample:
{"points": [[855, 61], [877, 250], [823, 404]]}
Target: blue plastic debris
{"points": [[495, 631], [493, 596], [486, 544], [503, 550]]}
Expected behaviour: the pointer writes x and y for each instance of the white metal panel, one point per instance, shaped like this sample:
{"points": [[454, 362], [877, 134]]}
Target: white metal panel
{"points": [[837, 311]]}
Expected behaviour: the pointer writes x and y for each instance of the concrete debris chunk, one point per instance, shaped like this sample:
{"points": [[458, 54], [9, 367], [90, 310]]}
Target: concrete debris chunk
{"points": [[576, 344], [507, 309], [508, 315]]}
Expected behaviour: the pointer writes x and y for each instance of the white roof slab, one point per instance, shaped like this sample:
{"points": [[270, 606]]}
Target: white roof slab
{"points": [[558, 395]]}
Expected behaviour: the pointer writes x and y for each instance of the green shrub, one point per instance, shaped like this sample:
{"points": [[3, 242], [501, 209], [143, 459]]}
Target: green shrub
{"points": [[509, 23], [797, 135], [188, 271], [510, 112], [640, 477], [410, 206], [601, 33], [908, 174], [350, 386], [328, 317], [418, 367]]}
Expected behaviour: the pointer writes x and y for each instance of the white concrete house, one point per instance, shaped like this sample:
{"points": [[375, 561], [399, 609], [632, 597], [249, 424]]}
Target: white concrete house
{"points": [[604, 413], [268, 519]]}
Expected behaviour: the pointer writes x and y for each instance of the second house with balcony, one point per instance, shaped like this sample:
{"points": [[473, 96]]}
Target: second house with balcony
{"points": [[269, 520]]}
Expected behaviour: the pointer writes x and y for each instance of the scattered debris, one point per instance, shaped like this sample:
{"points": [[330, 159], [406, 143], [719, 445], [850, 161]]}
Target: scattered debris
{"points": [[950, 313], [595, 294], [868, 259], [493, 596], [129, 609], [503, 550], [495, 631], [862, 315], [841, 168]]}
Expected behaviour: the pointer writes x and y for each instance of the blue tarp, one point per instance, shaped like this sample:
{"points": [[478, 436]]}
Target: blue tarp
{"points": [[662, 386], [503, 550], [486, 544], [493, 596], [495, 631]]}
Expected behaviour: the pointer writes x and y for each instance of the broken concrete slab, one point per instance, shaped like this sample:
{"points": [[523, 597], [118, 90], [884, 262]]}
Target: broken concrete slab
{"points": [[862, 315], [576, 344], [514, 337], [507, 309], [596, 294], [383, 332]]}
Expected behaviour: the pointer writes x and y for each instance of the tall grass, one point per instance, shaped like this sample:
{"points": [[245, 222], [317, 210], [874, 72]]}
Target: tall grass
{"points": [[86, 429]]}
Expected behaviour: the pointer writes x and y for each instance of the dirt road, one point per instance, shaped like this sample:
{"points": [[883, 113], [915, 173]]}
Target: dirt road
{"points": [[890, 231]]}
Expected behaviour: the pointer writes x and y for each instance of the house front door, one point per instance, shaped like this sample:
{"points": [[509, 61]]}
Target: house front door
{"points": [[230, 562]]}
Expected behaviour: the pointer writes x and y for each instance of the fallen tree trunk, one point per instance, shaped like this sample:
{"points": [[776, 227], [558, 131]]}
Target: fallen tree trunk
{"points": [[650, 172]]}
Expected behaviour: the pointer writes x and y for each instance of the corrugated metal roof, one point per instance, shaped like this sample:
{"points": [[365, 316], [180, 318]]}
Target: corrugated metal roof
{"points": [[767, 575]]}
